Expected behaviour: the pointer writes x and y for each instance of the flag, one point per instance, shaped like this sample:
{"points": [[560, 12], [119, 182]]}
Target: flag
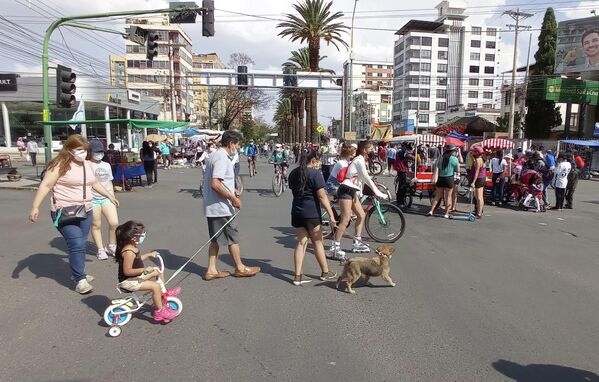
{"points": [[79, 114]]}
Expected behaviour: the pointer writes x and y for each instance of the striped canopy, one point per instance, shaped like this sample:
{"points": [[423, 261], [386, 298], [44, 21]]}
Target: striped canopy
{"points": [[495, 144]]}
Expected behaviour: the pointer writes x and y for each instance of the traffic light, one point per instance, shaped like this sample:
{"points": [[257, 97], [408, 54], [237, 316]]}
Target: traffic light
{"points": [[65, 87], [208, 18], [289, 77], [242, 77], [152, 45]]}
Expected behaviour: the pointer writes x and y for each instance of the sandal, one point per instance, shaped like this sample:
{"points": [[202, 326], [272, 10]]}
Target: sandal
{"points": [[247, 272], [219, 275]]}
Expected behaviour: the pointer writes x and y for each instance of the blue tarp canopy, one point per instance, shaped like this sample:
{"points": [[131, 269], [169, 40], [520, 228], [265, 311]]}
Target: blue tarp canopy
{"points": [[581, 142]]}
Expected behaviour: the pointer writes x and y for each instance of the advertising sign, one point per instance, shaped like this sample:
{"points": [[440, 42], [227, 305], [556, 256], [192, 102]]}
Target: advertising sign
{"points": [[8, 82], [577, 46], [565, 90]]}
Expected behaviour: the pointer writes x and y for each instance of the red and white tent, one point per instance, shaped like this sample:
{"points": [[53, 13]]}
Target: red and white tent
{"points": [[420, 139], [495, 144]]}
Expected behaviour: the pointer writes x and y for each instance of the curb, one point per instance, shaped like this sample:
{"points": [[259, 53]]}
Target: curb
{"points": [[24, 188]]}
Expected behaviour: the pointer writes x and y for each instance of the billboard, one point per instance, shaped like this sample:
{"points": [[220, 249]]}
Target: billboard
{"points": [[577, 46], [564, 90]]}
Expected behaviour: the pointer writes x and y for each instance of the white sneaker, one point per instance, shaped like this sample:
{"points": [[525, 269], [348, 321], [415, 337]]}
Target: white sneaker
{"points": [[335, 253], [102, 254], [358, 247], [110, 249], [83, 287], [89, 278]]}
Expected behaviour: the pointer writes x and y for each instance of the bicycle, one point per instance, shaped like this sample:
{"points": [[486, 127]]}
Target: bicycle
{"points": [[384, 221], [411, 191], [279, 181]]}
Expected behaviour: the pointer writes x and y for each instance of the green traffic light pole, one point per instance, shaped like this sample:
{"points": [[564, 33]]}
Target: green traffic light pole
{"points": [[67, 21]]}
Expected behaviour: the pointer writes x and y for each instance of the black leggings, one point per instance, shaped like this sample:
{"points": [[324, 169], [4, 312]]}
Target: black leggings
{"points": [[149, 168]]}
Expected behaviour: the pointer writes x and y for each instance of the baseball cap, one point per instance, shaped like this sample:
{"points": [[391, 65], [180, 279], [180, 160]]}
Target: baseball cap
{"points": [[95, 146]]}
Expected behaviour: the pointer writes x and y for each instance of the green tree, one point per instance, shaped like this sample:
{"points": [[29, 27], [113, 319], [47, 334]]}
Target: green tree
{"points": [[313, 22], [503, 123], [543, 115], [254, 129], [283, 119]]}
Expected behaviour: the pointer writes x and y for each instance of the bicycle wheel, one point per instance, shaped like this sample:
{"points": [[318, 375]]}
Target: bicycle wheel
{"points": [[407, 202], [388, 226], [377, 168], [277, 185], [239, 184]]}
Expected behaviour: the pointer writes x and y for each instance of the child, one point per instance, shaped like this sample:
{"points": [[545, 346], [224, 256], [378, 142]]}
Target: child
{"points": [[133, 276], [536, 191]]}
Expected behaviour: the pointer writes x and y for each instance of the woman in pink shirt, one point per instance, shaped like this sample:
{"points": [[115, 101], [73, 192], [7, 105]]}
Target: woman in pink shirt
{"points": [[71, 179]]}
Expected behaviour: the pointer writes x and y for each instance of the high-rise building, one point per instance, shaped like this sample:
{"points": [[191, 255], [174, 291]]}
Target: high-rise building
{"points": [[201, 94], [168, 77], [443, 64], [373, 79], [118, 72]]}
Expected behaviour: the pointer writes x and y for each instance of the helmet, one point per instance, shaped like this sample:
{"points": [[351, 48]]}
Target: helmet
{"points": [[477, 150], [95, 146]]}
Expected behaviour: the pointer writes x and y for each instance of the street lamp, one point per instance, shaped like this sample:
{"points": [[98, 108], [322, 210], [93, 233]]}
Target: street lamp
{"points": [[351, 67]]}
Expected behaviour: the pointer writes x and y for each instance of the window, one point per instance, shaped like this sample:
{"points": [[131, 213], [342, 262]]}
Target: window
{"points": [[427, 41], [472, 94], [476, 31], [444, 42], [487, 106], [488, 82], [489, 57], [491, 31], [475, 56], [425, 93], [412, 80], [440, 106], [412, 105], [490, 44], [472, 106], [415, 40], [474, 69], [413, 53], [399, 59], [414, 66], [425, 54], [413, 92], [423, 118], [442, 55], [424, 105], [489, 70], [475, 43], [473, 82], [425, 67], [425, 80], [399, 71], [441, 93], [442, 68], [442, 81], [488, 95], [136, 49]]}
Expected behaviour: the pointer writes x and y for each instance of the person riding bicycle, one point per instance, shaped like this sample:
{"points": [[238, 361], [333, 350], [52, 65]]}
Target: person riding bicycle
{"points": [[279, 158], [402, 166], [251, 151]]}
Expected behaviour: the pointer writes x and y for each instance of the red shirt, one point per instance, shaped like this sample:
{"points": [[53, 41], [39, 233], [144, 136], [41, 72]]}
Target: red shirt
{"points": [[579, 162]]}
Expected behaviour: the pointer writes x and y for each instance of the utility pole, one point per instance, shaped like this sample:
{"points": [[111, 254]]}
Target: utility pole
{"points": [[523, 108], [350, 97], [517, 16], [171, 80]]}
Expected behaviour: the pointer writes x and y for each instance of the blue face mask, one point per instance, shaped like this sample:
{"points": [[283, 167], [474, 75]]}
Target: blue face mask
{"points": [[141, 238]]}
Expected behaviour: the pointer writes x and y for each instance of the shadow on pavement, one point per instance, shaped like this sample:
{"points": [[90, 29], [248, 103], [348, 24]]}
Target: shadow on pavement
{"points": [[265, 267], [195, 193], [288, 239], [543, 373], [98, 303], [174, 262], [46, 265], [263, 192]]}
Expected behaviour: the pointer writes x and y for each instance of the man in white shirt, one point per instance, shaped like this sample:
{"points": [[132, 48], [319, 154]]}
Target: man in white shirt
{"points": [[498, 165], [560, 180], [328, 154], [32, 149]]}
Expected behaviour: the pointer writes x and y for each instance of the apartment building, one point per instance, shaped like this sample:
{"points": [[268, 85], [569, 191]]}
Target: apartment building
{"points": [[364, 76], [442, 64], [201, 94], [371, 107], [118, 70], [167, 78]]}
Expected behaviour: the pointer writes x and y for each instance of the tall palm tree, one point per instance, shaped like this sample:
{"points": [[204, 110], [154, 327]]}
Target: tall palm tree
{"points": [[315, 22], [283, 118], [300, 61]]}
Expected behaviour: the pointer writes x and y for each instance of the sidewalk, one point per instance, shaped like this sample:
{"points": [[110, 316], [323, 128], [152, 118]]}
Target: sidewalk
{"points": [[29, 181]]}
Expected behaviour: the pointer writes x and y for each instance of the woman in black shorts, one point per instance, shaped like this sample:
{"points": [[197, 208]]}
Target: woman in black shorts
{"points": [[445, 169], [308, 188]]}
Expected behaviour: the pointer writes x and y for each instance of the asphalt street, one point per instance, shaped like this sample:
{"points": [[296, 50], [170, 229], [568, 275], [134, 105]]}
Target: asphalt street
{"points": [[512, 297]]}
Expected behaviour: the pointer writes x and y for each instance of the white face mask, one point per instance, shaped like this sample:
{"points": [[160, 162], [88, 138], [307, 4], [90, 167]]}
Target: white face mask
{"points": [[98, 156], [141, 238], [79, 155]]}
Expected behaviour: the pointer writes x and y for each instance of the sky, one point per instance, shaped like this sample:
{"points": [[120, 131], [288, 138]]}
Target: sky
{"points": [[239, 30]]}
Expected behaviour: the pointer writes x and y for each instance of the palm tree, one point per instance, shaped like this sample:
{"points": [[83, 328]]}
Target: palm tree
{"points": [[283, 118], [315, 22]]}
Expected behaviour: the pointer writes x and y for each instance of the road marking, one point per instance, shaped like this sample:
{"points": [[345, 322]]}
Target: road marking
{"points": [[542, 223]]}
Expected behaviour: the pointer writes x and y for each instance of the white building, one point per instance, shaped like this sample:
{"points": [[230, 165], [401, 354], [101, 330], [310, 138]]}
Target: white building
{"points": [[373, 78], [443, 63], [168, 77]]}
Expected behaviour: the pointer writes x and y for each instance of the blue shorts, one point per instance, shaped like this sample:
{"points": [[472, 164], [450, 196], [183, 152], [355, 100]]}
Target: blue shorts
{"points": [[97, 203]]}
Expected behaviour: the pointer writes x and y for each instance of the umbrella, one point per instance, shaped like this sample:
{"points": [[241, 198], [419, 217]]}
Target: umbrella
{"points": [[454, 141], [190, 132], [155, 138], [199, 137], [496, 143]]}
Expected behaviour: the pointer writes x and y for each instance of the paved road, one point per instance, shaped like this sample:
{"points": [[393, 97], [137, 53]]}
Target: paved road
{"points": [[514, 296]]}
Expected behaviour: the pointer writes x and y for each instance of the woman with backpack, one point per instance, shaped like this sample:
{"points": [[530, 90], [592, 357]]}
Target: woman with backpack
{"points": [[353, 178]]}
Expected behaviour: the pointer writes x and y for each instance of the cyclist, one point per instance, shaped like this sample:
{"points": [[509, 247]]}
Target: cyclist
{"points": [[279, 158], [250, 151]]}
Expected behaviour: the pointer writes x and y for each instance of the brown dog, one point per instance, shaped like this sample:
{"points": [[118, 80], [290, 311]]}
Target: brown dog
{"points": [[358, 266]]}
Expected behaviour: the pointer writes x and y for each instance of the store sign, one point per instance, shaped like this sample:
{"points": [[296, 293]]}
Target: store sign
{"points": [[133, 96], [8, 82], [114, 99], [565, 90]]}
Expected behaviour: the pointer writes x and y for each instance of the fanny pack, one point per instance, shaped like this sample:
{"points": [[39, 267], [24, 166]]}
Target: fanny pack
{"points": [[71, 214]]}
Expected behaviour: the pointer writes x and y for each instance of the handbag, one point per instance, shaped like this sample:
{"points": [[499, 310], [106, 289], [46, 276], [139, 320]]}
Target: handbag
{"points": [[71, 214]]}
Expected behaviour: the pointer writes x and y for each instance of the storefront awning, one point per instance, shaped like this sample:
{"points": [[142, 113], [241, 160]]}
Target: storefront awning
{"points": [[131, 123]]}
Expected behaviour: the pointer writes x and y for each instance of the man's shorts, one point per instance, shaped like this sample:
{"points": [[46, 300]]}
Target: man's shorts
{"points": [[99, 202], [251, 158], [228, 236], [132, 284]]}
